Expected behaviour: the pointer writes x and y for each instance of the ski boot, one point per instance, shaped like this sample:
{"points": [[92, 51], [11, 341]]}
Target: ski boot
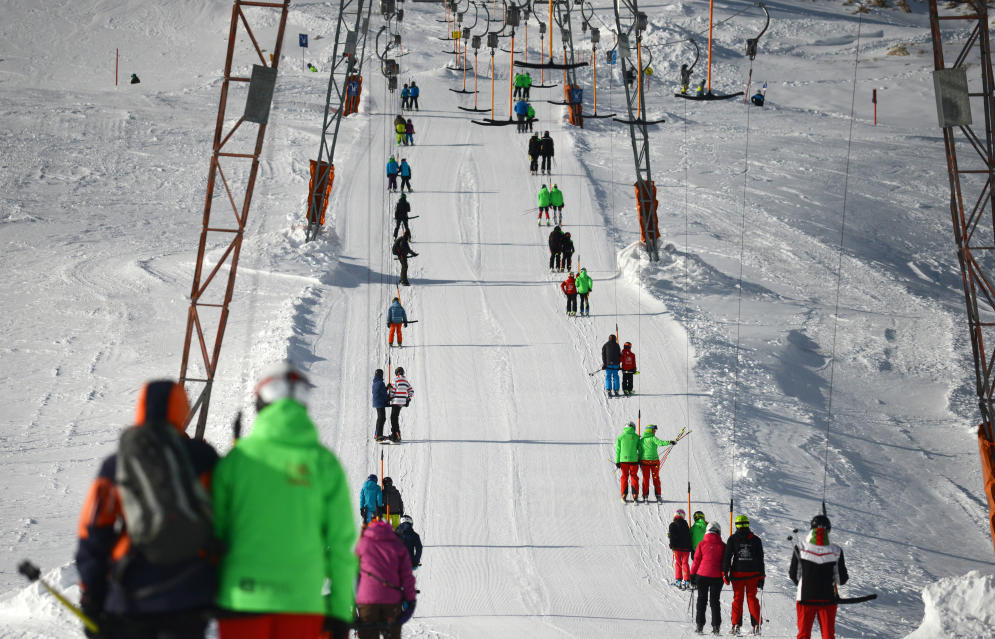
{"points": [[699, 629], [625, 498], [736, 630], [616, 394], [659, 500], [756, 630], [716, 630]]}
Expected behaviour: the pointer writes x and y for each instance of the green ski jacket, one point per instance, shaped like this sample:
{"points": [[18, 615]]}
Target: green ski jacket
{"points": [[584, 283], [556, 197], [543, 197], [648, 445], [627, 446], [698, 533]]}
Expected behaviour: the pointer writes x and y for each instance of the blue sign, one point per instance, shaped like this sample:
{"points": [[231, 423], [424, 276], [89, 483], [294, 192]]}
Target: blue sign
{"points": [[302, 39], [612, 56]]}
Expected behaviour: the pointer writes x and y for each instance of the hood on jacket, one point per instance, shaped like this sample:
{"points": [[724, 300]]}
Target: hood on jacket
{"points": [[378, 374], [379, 530], [163, 399], [629, 429]]}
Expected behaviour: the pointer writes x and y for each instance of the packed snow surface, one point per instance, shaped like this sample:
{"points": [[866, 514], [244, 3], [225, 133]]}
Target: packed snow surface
{"points": [[751, 330]]}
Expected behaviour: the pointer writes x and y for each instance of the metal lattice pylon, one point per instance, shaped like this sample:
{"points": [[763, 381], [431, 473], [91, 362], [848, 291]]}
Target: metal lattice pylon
{"points": [[212, 292]]}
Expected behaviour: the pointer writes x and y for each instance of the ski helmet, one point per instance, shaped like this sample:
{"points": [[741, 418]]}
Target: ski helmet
{"points": [[397, 300], [567, 234], [627, 345], [281, 381], [631, 424], [698, 515], [406, 519], [742, 521], [399, 370], [387, 481], [542, 187], [403, 196], [555, 186], [378, 374], [821, 521], [556, 229], [680, 513], [371, 478], [650, 426], [714, 527], [611, 338], [392, 159]]}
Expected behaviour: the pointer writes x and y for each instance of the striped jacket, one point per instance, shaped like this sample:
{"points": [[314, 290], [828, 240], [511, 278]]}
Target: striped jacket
{"points": [[401, 392], [817, 567]]}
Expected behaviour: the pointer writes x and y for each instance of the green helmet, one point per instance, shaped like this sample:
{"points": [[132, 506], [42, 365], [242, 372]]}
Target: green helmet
{"points": [[742, 521]]}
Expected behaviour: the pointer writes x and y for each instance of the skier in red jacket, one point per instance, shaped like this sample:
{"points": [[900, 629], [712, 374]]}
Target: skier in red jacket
{"points": [[628, 365], [569, 288]]}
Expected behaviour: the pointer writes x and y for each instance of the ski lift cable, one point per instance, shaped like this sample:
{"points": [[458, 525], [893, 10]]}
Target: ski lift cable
{"points": [[839, 269], [687, 295]]}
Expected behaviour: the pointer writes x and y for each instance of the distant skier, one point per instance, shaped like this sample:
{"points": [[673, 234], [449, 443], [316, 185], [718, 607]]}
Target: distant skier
{"points": [[706, 575], [649, 461], [817, 568], [610, 356], [555, 247], [628, 366], [401, 393], [758, 99], [679, 535], [522, 111], [380, 401], [698, 529], [699, 91], [413, 95], [685, 78], [405, 96], [411, 540], [584, 287], [568, 252], [556, 202], [392, 502], [627, 459], [543, 199], [402, 249], [535, 145], [530, 117], [370, 499], [569, 288], [386, 590], [743, 565], [396, 317], [134, 78], [546, 152], [526, 85], [401, 211], [392, 170], [405, 173], [401, 129], [409, 132], [517, 83]]}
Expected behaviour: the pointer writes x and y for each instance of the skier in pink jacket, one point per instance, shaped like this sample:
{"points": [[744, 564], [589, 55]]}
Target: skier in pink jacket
{"points": [[386, 584], [706, 575]]}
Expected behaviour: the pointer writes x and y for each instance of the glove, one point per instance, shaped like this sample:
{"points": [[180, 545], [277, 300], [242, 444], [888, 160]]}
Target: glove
{"points": [[603, 367], [336, 628], [363, 512], [760, 584], [694, 580], [405, 325], [407, 402], [618, 465]]}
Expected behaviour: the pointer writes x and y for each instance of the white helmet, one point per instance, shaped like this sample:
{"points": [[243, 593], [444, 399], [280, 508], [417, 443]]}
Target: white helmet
{"points": [[406, 519], [715, 528], [281, 381]]}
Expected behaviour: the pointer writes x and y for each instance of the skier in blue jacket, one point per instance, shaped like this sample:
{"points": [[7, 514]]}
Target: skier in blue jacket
{"points": [[413, 92], [405, 172], [380, 401], [522, 111], [395, 318], [392, 170], [405, 97], [370, 500]]}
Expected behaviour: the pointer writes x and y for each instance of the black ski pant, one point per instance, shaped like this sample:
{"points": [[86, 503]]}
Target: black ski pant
{"points": [[571, 302], [554, 259], [392, 180], [533, 163], [172, 625], [404, 273], [530, 121], [405, 182], [525, 92], [547, 161], [585, 307], [413, 102], [518, 92], [395, 422], [381, 420], [397, 227], [521, 123], [627, 381], [567, 258], [709, 589]]}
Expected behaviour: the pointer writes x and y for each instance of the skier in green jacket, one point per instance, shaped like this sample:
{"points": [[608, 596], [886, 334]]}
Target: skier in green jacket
{"points": [[649, 460], [543, 198], [584, 286], [284, 517], [556, 202], [698, 529], [627, 458]]}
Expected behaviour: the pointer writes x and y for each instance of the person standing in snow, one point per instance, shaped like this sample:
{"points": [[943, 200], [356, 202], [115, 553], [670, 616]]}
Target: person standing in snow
{"points": [[401, 211], [134, 79], [818, 569], [743, 565], [411, 540], [401, 393], [396, 317], [706, 575], [535, 145], [380, 401], [555, 246], [386, 584], [413, 99], [679, 535], [543, 199], [517, 93], [567, 248], [584, 287], [183, 592], [370, 500], [405, 173], [405, 96], [402, 249], [627, 459], [522, 111], [556, 203], [569, 288], [628, 365], [610, 357], [283, 513], [698, 529], [526, 85], [530, 117], [392, 170], [401, 129], [546, 152], [649, 461], [409, 132], [392, 502]]}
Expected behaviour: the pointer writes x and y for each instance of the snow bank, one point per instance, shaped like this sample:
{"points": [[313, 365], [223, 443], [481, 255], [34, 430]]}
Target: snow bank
{"points": [[36, 613], [958, 607]]}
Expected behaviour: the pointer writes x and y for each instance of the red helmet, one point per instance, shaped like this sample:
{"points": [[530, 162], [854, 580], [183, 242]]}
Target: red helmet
{"points": [[627, 345]]}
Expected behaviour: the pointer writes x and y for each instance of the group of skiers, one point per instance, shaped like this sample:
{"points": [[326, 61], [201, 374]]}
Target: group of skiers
{"points": [[526, 116], [561, 250], [635, 453], [396, 395], [540, 148], [550, 199], [394, 170], [573, 287], [523, 85], [615, 360], [405, 131], [409, 96]]}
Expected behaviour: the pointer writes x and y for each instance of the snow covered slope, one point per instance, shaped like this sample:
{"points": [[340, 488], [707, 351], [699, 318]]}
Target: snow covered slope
{"points": [[506, 466]]}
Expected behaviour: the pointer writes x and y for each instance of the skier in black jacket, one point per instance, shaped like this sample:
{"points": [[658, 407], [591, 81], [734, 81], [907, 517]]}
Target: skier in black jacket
{"points": [[817, 568], [611, 355], [567, 247], [555, 247], [546, 151], [401, 212], [403, 251], [743, 565], [679, 535], [410, 539], [392, 500], [535, 147]]}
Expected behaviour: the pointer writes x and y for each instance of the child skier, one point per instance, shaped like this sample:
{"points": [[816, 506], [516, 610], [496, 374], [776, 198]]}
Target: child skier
{"points": [[543, 198], [569, 288], [535, 145], [370, 499], [409, 132], [743, 564], [392, 170], [628, 364], [698, 529], [679, 535], [404, 170], [568, 252], [584, 286]]}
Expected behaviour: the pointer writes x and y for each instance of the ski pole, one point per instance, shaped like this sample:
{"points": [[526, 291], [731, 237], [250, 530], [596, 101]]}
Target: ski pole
{"points": [[593, 373], [33, 574]]}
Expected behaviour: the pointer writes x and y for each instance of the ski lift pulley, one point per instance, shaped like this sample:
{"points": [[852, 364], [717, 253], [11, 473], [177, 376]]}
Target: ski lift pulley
{"points": [[492, 40], [387, 7], [466, 33], [511, 18], [475, 42], [642, 21], [595, 35]]}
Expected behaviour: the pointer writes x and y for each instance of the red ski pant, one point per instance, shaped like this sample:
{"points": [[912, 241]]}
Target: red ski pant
{"points": [[807, 614], [744, 586], [275, 626], [682, 570], [393, 328], [630, 475], [651, 468]]}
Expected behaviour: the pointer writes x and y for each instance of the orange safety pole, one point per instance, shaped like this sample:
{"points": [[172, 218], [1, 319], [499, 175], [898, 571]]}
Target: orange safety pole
{"points": [[639, 84], [709, 88], [511, 74], [542, 69]]}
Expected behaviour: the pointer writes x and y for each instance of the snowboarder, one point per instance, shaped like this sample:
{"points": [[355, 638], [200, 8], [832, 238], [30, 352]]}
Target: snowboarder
{"points": [[546, 152], [522, 111], [134, 79], [401, 393], [543, 198], [706, 575], [380, 401], [679, 535], [370, 500], [413, 92], [401, 128], [526, 85], [610, 356], [567, 247], [649, 461], [386, 585], [569, 288], [743, 565], [556, 203], [411, 540], [409, 133], [685, 78], [401, 211], [405, 173], [396, 316], [402, 249], [698, 529], [555, 247], [184, 590], [392, 502], [405, 96], [535, 145], [627, 459], [628, 365], [392, 171], [817, 568], [584, 287], [283, 514]]}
